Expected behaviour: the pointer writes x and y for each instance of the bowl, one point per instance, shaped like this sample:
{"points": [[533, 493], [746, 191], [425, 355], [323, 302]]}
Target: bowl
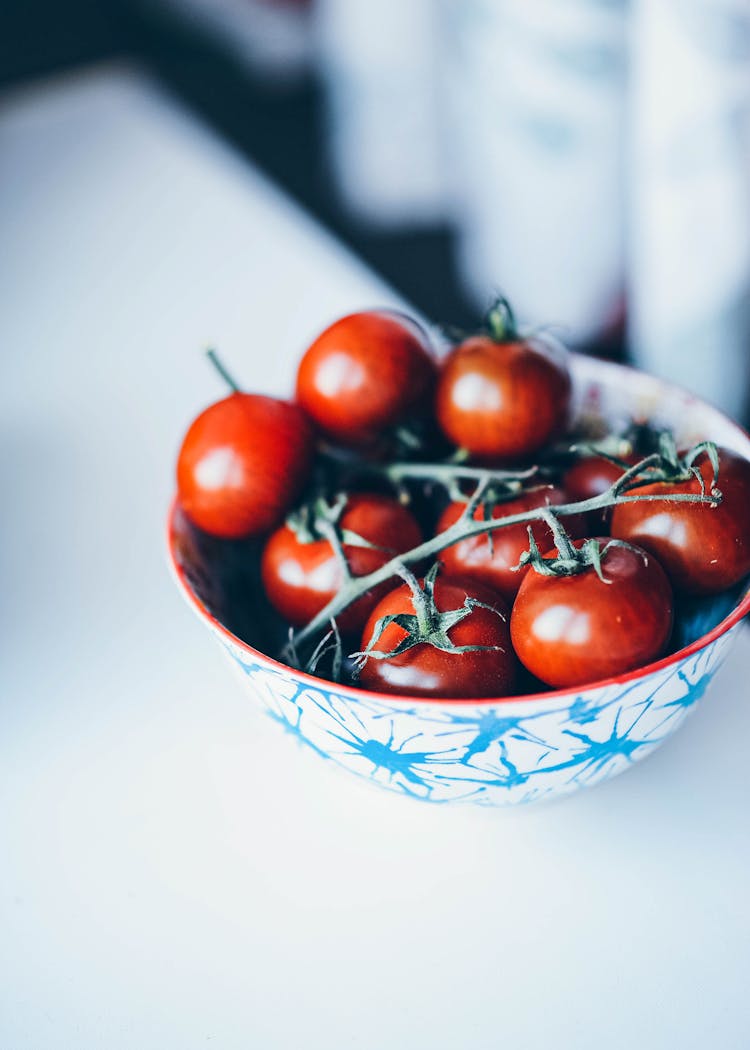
{"points": [[495, 751]]}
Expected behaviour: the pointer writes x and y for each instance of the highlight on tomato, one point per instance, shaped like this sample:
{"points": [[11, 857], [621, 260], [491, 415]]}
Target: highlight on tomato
{"points": [[365, 374], [243, 463], [502, 395], [590, 610], [704, 549], [306, 561]]}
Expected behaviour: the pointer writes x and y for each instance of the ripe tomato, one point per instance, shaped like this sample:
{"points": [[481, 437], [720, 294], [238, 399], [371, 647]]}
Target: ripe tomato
{"points": [[491, 563], [301, 578], [591, 476], [425, 670], [703, 549], [502, 399], [364, 374], [242, 464], [574, 630]]}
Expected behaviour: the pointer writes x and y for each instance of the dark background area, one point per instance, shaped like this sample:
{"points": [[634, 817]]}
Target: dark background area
{"points": [[281, 129]]}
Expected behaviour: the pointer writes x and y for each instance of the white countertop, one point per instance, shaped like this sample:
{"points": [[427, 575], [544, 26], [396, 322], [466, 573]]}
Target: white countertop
{"points": [[175, 873]]}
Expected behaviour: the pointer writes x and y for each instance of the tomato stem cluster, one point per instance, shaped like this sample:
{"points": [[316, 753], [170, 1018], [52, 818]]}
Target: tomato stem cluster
{"points": [[653, 468], [570, 560], [451, 475]]}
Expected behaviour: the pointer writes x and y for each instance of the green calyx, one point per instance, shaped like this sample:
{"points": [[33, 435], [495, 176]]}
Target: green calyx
{"points": [[500, 322], [427, 625], [669, 468], [570, 560], [313, 520], [687, 462], [320, 519]]}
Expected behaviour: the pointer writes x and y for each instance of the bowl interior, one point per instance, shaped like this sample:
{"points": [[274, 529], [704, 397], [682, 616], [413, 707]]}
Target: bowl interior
{"points": [[222, 579]]}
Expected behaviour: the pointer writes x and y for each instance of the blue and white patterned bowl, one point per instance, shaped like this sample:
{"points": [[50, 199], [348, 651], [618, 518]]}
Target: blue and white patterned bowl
{"points": [[495, 752]]}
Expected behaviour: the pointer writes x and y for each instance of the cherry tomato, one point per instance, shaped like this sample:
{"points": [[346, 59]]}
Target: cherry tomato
{"points": [[301, 578], [425, 670], [242, 464], [574, 630], [503, 399], [491, 563], [591, 476], [364, 374], [703, 549]]}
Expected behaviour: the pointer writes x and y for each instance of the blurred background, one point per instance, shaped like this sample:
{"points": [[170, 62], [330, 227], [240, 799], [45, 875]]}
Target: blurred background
{"points": [[590, 158], [174, 874]]}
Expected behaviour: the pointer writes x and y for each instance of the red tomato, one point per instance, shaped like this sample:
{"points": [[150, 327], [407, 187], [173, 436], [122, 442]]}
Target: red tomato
{"points": [[425, 670], [503, 399], [301, 578], [243, 463], [591, 476], [703, 549], [364, 374], [574, 630], [492, 563]]}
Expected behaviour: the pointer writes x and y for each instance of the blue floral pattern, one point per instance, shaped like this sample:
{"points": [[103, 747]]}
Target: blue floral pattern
{"points": [[486, 753]]}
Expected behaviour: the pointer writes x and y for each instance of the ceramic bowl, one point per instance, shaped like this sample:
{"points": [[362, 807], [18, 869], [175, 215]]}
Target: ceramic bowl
{"points": [[490, 752]]}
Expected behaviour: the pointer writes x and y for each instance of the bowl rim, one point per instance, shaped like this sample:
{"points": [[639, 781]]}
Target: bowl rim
{"points": [[729, 621]]}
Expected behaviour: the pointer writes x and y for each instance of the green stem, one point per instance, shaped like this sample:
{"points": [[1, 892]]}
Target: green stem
{"points": [[447, 472], [565, 548], [467, 527], [419, 599], [213, 357], [329, 531]]}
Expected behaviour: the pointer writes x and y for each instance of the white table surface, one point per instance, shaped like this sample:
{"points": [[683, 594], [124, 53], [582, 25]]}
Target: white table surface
{"points": [[175, 873]]}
